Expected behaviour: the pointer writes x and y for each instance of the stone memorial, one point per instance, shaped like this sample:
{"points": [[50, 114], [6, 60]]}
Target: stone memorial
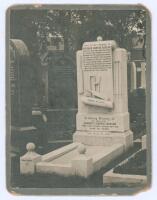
{"points": [[102, 117], [22, 130], [133, 77], [138, 63], [102, 122], [59, 90], [137, 75]]}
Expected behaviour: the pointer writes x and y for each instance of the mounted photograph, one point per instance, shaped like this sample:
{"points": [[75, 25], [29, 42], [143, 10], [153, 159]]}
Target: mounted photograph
{"points": [[78, 99]]}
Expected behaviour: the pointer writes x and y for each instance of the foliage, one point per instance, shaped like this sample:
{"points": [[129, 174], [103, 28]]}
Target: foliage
{"points": [[76, 26]]}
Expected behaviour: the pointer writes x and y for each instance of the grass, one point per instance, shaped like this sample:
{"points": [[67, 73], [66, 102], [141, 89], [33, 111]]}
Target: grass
{"points": [[135, 165]]}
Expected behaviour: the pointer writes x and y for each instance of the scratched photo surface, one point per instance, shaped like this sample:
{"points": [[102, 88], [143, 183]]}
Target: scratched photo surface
{"points": [[78, 102]]}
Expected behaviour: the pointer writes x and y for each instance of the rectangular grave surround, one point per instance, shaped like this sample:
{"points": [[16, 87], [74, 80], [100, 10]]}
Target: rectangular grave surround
{"points": [[102, 127], [62, 162]]}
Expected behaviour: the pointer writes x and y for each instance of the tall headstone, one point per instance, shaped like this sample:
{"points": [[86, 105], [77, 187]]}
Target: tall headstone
{"points": [[62, 97], [21, 94], [102, 117]]}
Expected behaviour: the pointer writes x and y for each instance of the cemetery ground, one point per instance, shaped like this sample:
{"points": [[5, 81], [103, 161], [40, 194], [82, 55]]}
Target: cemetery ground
{"points": [[96, 179], [96, 98], [57, 181]]}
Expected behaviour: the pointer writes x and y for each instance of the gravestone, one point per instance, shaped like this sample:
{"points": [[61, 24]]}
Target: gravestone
{"points": [[21, 95], [102, 117], [62, 97], [138, 47], [138, 62], [58, 89], [102, 122], [133, 79]]}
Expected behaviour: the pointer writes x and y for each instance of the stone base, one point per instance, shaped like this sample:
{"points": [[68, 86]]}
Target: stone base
{"points": [[104, 139], [110, 177], [67, 161]]}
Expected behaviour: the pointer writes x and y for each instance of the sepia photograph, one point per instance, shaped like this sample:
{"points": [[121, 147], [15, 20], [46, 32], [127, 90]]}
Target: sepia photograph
{"points": [[78, 99]]}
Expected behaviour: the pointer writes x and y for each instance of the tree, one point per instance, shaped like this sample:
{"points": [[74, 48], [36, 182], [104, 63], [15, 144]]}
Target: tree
{"points": [[33, 26], [76, 26]]}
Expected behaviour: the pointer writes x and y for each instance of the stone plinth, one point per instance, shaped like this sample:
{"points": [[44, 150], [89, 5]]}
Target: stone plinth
{"points": [[29, 160], [104, 139]]}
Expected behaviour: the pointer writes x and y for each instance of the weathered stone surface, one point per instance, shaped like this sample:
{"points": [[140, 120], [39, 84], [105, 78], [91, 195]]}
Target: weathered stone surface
{"points": [[110, 178], [50, 168], [102, 95], [59, 152], [29, 160], [104, 139], [100, 122], [21, 95], [82, 165], [79, 163], [20, 84]]}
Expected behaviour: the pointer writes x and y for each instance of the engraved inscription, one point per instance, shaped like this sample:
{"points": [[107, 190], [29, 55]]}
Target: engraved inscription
{"points": [[97, 57], [13, 75], [99, 123]]}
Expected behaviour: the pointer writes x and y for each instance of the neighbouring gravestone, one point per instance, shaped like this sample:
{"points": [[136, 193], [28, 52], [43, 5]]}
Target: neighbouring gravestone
{"points": [[138, 47], [133, 77], [138, 63], [58, 89], [21, 94], [102, 117], [62, 96], [102, 122]]}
